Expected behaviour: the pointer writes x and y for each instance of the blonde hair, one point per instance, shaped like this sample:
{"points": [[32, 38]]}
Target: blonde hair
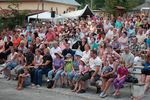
{"points": [[122, 62]]}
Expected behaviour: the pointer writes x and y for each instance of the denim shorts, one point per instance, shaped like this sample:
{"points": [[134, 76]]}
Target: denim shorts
{"points": [[27, 81], [11, 65]]}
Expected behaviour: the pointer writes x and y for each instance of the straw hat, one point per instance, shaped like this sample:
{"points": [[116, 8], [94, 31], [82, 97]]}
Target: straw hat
{"points": [[59, 54]]}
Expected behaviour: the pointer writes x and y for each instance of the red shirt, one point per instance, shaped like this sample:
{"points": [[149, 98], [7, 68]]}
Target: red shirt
{"points": [[50, 36], [16, 42], [122, 71]]}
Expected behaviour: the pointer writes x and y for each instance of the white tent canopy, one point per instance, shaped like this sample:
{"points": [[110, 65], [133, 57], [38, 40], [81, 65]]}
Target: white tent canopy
{"points": [[44, 16], [79, 13]]}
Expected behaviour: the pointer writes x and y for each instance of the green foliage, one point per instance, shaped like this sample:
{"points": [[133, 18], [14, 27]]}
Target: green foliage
{"points": [[110, 4], [127, 4], [15, 18]]}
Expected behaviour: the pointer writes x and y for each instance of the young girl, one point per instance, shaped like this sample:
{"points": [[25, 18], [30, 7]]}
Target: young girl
{"points": [[120, 79], [24, 79], [82, 70]]}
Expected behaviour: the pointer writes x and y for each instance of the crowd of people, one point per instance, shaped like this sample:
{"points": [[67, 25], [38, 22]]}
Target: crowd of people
{"points": [[78, 50]]}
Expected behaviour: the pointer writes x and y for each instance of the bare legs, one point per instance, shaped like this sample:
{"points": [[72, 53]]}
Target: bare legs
{"points": [[20, 82], [106, 84], [147, 82]]}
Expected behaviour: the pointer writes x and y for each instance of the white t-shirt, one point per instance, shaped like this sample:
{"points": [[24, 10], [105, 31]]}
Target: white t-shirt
{"points": [[138, 61], [93, 63], [54, 50], [86, 55], [109, 34]]}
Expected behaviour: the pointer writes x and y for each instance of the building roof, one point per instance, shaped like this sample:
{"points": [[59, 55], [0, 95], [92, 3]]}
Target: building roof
{"points": [[79, 13], [68, 2]]}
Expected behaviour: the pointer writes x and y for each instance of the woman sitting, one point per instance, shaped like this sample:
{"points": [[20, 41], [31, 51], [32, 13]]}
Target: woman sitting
{"points": [[38, 59], [107, 75], [121, 77], [11, 63], [20, 64], [58, 65]]}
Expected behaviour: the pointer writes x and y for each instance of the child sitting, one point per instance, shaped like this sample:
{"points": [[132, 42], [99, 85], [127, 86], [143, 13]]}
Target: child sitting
{"points": [[24, 79], [121, 77], [82, 70], [68, 67]]}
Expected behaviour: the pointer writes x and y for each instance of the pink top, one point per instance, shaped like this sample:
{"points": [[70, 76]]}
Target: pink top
{"points": [[83, 69]]}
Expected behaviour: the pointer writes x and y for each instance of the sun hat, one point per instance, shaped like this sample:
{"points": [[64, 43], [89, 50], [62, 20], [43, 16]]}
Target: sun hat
{"points": [[59, 54], [78, 53]]}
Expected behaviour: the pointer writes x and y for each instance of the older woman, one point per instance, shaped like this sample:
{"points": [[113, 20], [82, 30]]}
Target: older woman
{"points": [[58, 65]]}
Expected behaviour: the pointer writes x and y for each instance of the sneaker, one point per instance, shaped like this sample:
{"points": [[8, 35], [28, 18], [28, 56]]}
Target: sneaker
{"points": [[33, 85], [103, 95], [81, 91], [38, 86]]}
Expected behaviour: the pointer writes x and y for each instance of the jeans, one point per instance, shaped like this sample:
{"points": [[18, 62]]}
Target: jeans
{"points": [[38, 75], [32, 73], [118, 83], [57, 74]]}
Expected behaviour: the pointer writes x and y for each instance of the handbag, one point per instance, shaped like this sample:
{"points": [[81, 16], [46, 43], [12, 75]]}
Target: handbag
{"points": [[50, 83], [131, 79]]}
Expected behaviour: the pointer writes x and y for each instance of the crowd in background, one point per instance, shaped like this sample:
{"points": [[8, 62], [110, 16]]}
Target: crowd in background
{"points": [[97, 48]]}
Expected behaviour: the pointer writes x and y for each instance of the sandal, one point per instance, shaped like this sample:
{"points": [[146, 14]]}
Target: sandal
{"points": [[81, 91]]}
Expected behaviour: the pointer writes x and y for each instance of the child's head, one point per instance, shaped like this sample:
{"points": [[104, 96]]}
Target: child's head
{"points": [[122, 63], [106, 64], [26, 70], [68, 56], [82, 61]]}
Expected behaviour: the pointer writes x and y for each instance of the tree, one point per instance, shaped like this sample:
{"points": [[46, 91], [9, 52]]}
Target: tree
{"points": [[14, 18], [127, 4]]}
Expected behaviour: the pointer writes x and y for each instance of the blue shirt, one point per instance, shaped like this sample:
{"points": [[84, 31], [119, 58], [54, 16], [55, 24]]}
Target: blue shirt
{"points": [[146, 65], [148, 42]]}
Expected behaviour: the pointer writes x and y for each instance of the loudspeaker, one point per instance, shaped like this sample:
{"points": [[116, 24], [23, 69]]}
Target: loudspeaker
{"points": [[53, 14]]}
